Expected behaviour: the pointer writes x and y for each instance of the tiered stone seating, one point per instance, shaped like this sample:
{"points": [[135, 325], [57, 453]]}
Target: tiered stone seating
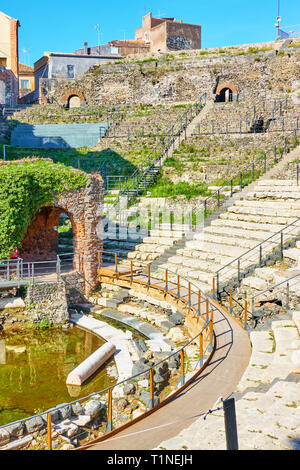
{"points": [[244, 225], [266, 399], [143, 248]]}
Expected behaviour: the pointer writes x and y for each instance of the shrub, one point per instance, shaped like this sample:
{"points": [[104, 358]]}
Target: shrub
{"points": [[26, 187]]}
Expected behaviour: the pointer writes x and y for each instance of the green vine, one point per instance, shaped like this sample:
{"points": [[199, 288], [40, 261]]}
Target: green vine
{"points": [[26, 187]]}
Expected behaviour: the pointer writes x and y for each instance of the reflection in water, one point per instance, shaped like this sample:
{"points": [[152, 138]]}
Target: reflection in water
{"points": [[74, 390], [34, 366], [2, 352]]}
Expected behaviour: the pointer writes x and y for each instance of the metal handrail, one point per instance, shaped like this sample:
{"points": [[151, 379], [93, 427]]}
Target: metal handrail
{"points": [[160, 151], [209, 349], [34, 270], [258, 248], [200, 212], [251, 166], [247, 126], [271, 288]]}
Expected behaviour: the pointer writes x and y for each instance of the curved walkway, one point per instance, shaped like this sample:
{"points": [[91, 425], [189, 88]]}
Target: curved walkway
{"points": [[219, 378]]}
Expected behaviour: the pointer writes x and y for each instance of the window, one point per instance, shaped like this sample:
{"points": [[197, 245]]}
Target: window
{"points": [[70, 71], [25, 85]]}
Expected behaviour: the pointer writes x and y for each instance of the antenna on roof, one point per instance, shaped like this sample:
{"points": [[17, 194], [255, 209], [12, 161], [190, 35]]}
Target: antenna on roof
{"points": [[160, 14], [97, 27], [277, 25]]}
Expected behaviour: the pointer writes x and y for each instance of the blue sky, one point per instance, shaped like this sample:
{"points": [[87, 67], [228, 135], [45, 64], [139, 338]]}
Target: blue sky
{"points": [[64, 25]]}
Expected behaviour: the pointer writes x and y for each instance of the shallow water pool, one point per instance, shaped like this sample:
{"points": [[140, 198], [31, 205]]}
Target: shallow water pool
{"points": [[34, 365]]}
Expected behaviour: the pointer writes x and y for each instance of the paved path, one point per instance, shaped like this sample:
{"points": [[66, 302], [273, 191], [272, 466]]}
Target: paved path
{"points": [[220, 378]]}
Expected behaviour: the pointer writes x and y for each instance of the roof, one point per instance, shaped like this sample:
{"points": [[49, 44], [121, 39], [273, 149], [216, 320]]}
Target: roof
{"points": [[23, 68], [9, 17]]}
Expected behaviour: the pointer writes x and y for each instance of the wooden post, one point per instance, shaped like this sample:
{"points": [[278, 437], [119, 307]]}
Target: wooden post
{"points": [[182, 379], [201, 350], [131, 271], [230, 302], [190, 302], [166, 286], [199, 303], [109, 411], [151, 380], [245, 314], [178, 286], [49, 431], [207, 307], [211, 328], [116, 262], [149, 275], [214, 287]]}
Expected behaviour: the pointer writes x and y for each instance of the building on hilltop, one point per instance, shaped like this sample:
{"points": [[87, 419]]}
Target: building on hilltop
{"points": [[155, 35], [57, 66], [9, 60], [26, 79], [104, 50], [167, 34], [161, 35]]}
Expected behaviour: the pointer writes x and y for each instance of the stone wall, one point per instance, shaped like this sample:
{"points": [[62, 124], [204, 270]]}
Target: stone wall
{"points": [[47, 301], [181, 78], [84, 209]]}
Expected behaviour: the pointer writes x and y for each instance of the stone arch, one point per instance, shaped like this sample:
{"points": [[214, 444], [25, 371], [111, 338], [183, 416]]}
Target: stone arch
{"points": [[226, 91], [84, 209], [71, 94]]}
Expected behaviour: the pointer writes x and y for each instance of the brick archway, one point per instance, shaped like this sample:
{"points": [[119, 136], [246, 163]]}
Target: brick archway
{"points": [[84, 209], [227, 86], [69, 94]]}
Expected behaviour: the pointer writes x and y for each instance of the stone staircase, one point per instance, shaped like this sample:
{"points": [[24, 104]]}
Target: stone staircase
{"points": [[142, 248], [246, 219], [254, 217], [267, 398]]}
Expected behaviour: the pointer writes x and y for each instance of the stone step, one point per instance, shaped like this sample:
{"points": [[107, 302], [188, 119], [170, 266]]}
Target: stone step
{"points": [[235, 232], [163, 240], [253, 218], [273, 196], [209, 258], [217, 248], [250, 226], [292, 254], [278, 206], [177, 234], [265, 212], [193, 263], [268, 182], [230, 239]]}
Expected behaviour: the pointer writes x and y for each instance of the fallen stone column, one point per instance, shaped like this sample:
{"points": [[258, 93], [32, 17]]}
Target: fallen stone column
{"points": [[91, 364]]}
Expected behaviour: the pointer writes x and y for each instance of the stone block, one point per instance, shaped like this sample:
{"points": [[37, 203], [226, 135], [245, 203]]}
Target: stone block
{"points": [[35, 424]]}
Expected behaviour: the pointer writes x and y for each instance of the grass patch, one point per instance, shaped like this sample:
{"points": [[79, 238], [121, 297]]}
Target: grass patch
{"points": [[165, 188]]}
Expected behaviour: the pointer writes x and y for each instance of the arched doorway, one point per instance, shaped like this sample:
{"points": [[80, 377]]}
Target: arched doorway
{"points": [[81, 211], [225, 95], [52, 235], [73, 99], [226, 92], [74, 102]]}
